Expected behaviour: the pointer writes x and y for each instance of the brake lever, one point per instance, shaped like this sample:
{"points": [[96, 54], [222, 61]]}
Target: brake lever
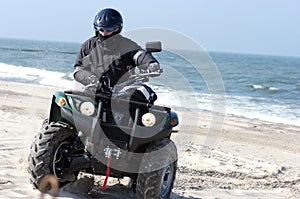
{"points": [[151, 74]]}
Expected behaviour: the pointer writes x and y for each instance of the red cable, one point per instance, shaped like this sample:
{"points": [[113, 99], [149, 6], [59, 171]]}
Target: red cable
{"points": [[107, 173]]}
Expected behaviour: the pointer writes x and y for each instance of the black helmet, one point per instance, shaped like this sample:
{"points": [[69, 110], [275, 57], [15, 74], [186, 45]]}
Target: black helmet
{"points": [[109, 20]]}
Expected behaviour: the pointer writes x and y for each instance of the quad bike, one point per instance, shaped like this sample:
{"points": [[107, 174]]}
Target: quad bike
{"points": [[115, 132]]}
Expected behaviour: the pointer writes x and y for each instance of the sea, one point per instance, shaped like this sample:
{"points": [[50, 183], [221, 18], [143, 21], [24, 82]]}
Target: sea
{"points": [[265, 87]]}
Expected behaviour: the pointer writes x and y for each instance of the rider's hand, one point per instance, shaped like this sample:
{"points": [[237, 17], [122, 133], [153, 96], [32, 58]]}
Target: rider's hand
{"points": [[92, 84], [153, 67], [92, 79], [91, 88]]}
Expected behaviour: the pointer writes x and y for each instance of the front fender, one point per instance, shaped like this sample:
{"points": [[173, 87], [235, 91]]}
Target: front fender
{"points": [[173, 119], [59, 105]]}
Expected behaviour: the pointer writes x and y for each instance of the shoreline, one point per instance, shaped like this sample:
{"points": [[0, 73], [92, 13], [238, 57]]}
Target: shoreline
{"points": [[235, 158], [179, 109]]}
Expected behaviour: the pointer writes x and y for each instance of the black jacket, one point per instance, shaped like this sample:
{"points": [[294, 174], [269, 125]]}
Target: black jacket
{"points": [[112, 57]]}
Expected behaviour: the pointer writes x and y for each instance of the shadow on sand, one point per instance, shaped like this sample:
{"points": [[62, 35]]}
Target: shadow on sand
{"points": [[117, 191]]}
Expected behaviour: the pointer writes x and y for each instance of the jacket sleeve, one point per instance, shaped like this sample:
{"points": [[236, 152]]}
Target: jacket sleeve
{"points": [[143, 58], [83, 74], [138, 56]]}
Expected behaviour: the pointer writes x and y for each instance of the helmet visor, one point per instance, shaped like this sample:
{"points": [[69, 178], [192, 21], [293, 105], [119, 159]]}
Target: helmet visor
{"points": [[107, 29]]}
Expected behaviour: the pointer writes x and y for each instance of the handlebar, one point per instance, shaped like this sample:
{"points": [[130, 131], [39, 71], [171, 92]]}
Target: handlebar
{"points": [[137, 78], [141, 77], [147, 74]]}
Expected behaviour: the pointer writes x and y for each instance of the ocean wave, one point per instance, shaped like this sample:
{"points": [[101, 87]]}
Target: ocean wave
{"points": [[266, 109], [35, 76], [261, 87], [297, 87], [38, 50]]}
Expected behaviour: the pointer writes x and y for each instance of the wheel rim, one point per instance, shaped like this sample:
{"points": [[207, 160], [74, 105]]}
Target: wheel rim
{"points": [[60, 160], [167, 178]]}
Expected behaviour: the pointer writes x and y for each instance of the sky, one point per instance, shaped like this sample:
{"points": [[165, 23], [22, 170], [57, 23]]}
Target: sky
{"points": [[243, 26]]}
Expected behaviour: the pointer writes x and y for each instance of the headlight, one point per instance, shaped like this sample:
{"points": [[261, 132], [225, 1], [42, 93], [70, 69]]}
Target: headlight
{"points": [[148, 119], [87, 108]]}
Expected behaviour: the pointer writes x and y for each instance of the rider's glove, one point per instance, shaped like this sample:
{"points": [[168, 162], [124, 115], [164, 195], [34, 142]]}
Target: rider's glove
{"points": [[90, 88], [92, 79], [153, 67], [92, 84]]}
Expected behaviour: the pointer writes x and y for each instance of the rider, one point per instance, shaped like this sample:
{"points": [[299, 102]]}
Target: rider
{"points": [[109, 53]]}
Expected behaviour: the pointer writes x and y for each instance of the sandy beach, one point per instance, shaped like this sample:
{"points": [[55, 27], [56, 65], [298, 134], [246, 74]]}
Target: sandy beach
{"points": [[247, 158]]}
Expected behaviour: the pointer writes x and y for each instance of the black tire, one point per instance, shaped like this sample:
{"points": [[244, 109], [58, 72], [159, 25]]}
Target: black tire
{"points": [[49, 144], [157, 171]]}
